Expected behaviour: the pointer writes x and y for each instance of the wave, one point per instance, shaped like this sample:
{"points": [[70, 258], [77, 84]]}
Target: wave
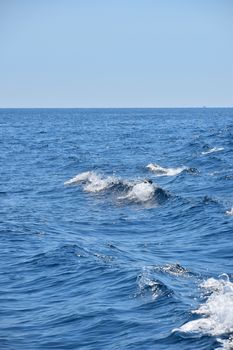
{"points": [[227, 344], [174, 269], [208, 200], [216, 313], [212, 150], [93, 182], [64, 254], [229, 212], [144, 192], [136, 191], [150, 287], [160, 171]]}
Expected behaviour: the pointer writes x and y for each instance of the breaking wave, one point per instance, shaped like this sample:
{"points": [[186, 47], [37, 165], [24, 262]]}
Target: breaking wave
{"points": [[144, 192], [227, 344], [150, 287], [212, 150], [160, 171], [93, 182], [216, 313], [174, 269], [230, 212], [136, 191]]}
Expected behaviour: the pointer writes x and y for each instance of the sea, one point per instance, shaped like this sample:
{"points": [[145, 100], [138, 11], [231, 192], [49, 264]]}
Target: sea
{"points": [[116, 229]]}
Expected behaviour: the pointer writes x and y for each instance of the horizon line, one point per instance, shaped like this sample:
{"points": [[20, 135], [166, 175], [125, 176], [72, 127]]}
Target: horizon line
{"points": [[161, 107]]}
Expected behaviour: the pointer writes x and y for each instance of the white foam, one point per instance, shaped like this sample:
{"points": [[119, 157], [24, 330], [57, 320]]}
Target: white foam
{"points": [[79, 178], [160, 171], [141, 192], [174, 269], [227, 344], [134, 191], [92, 181], [216, 313], [214, 149], [229, 212]]}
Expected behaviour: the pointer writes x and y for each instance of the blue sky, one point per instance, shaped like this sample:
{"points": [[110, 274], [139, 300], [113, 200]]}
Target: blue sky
{"points": [[116, 53]]}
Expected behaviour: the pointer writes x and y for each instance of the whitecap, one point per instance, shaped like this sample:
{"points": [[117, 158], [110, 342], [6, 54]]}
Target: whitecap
{"points": [[160, 171], [92, 181], [214, 149], [96, 183], [140, 192], [174, 269], [79, 178], [217, 311], [230, 212], [227, 344]]}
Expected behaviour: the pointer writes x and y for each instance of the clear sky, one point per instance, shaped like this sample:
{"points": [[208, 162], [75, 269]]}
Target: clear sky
{"points": [[116, 53]]}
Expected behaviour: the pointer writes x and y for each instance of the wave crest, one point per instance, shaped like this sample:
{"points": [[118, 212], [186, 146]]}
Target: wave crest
{"points": [[216, 313], [148, 286], [135, 191], [141, 192], [212, 150], [160, 171], [230, 212], [92, 181]]}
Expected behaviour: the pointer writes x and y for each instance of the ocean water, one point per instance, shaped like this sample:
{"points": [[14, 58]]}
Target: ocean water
{"points": [[116, 229]]}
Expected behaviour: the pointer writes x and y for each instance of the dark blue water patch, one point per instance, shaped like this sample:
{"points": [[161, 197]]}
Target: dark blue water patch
{"points": [[83, 270]]}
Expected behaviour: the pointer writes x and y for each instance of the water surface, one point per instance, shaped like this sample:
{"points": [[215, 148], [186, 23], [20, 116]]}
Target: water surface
{"points": [[88, 265]]}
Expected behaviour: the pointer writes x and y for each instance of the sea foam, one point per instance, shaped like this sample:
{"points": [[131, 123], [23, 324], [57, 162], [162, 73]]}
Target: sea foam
{"points": [[92, 181], [136, 191], [212, 150], [230, 212], [141, 192], [160, 171], [216, 315]]}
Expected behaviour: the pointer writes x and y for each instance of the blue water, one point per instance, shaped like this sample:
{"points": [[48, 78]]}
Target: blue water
{"points": [[96, 269]]}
